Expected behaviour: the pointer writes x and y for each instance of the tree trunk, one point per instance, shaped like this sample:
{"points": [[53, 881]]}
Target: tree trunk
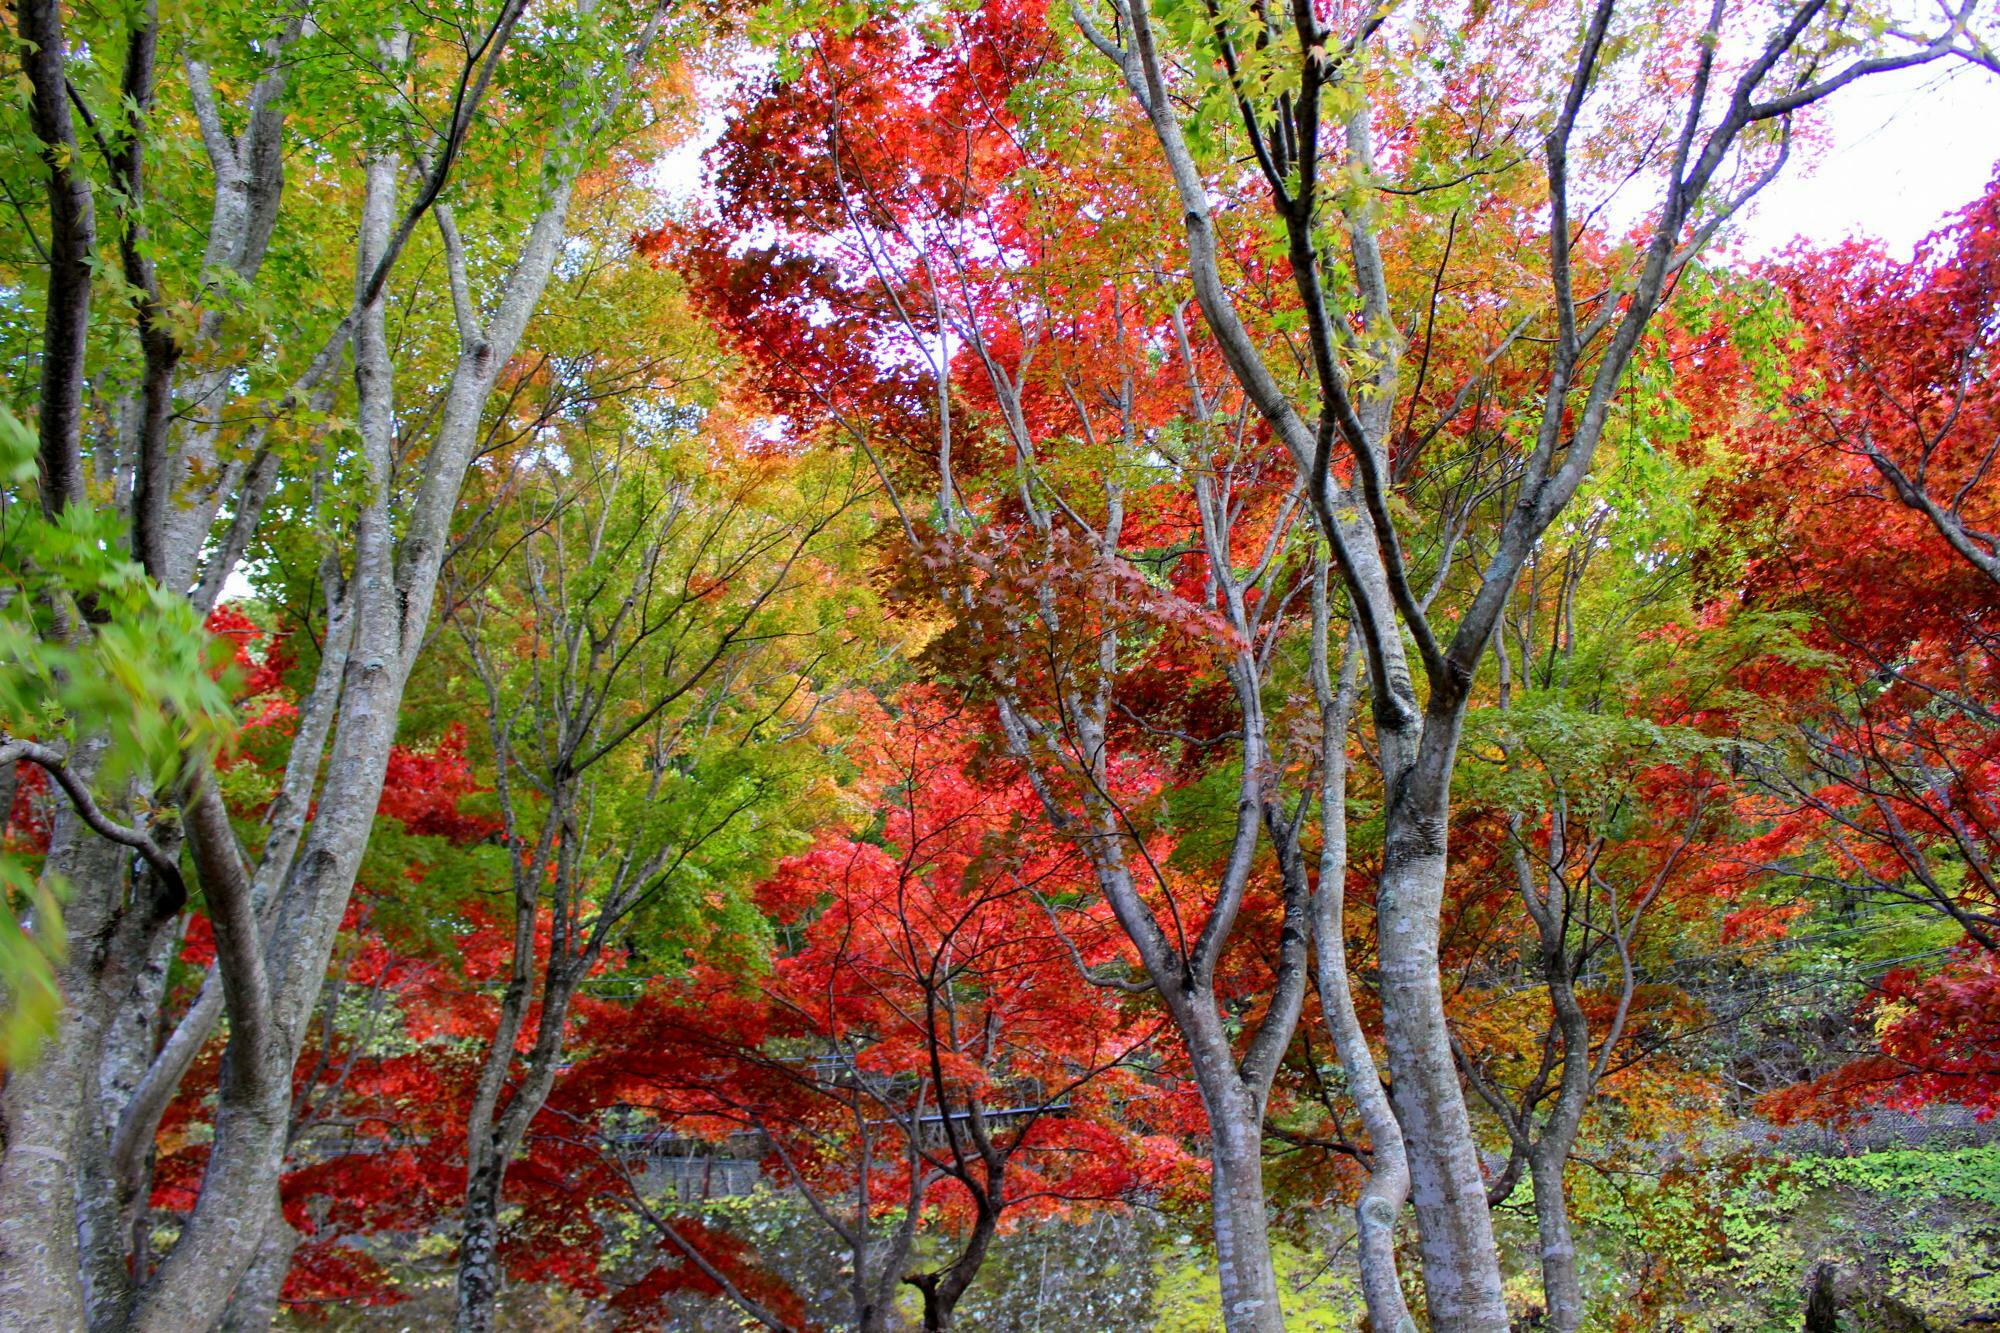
{"points": [[1242, 1231], [1822, 1307], [72, 237], [491, 1145], [1387, 1189], [42, 1104], [485, 1160], [239, 1187], [112, 1201], [1561, 1287], [1548, 1154], [943, 1290], [255, 1302], [1461, 1267], [478, 1266], [937, 1319]]}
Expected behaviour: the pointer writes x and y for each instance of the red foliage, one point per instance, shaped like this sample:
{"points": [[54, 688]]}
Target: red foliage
{"points": [[26, 828], [1937, 1040], [932, 970], [423, 788], [1896, 412]]}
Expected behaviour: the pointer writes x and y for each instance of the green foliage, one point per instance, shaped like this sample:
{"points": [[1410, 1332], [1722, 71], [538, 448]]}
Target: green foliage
{"points": [[1729, 1244], [105, 667], [28, 962], [91, 645], [1317, 1296]]}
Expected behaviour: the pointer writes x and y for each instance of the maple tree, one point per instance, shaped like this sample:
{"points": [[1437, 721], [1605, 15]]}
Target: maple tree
{"points": [[1113, 689], [651, 662], [1598, 841], [928, 1052], [1870, 481], [901, 253], [1282, 86]]}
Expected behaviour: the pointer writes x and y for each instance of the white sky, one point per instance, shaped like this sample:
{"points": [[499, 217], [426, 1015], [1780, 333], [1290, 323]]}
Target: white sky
{"points": [[1905, 149]]}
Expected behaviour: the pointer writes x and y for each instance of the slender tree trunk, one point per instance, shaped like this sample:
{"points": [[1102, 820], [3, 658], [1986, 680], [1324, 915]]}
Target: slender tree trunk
{"points": [[72, 237], [1549, 1155], [42, 1105], [478, 1263], [1387, 1189], [491, 1146], [1561, 1286], [485, 1159], [111, 1201]]}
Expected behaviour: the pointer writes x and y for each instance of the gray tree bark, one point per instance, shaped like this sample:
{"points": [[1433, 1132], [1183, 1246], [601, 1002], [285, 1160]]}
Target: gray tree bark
{"points": [[254, 1304], [1387, 1189], [40, 1286]]}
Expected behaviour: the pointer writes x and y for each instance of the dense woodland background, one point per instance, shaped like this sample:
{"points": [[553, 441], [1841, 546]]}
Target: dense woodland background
{"points": [[1201, 665]]}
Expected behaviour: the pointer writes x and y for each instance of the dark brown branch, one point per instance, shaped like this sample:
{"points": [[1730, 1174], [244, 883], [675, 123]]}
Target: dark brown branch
{"points": [[72, 237], [56, 764]]}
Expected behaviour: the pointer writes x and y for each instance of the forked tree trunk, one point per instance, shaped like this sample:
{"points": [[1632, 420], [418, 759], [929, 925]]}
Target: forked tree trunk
{"points": [[239, 1187], [943, 1291], [1418, 745], [491, 1142], [255, 1302], [1234, 1107]]}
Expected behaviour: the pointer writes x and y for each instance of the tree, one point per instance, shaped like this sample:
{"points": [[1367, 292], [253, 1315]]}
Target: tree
{"points": [[85, 636], [1107, 539], [1288, 83], [376, 1133], [1597, 838], [1871, 480], [653, 650], [929, 1052], [171, 478]]}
